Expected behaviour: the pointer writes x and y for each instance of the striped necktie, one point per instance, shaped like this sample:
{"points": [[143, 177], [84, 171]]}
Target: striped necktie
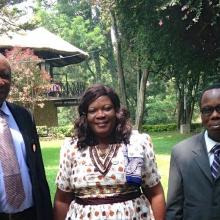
{"points": [[216, 162], [11, 172]]}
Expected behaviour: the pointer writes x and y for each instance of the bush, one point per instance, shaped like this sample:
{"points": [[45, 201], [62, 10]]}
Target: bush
{"points": [[159, 128], [58, 132], [67, 131], [197, 127], [42, 131]]}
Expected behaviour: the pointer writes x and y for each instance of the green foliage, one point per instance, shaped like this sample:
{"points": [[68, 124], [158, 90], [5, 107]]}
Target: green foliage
{"points": [[62, 131], [73, 21], [170, 40], [42, 131], [9, 16], [161, 103], [67, 131], [55, 132], [159, 127], [66, 115], [195, 127]]}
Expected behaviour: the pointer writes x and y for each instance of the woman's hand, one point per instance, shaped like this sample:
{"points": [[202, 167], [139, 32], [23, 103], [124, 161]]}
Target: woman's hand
{"points": [[62, 202]]}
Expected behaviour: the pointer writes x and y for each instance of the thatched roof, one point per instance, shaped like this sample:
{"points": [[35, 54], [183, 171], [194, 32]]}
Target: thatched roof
{"points": [[46, 45]]}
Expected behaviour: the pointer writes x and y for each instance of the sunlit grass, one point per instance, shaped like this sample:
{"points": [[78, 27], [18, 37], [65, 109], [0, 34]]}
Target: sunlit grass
{"points": [[163, 143], [51, 153]]}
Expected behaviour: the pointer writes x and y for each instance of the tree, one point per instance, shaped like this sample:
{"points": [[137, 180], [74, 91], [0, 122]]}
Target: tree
{"points": [[78, 28], [29, 84], [161, 32], [10, 14]]}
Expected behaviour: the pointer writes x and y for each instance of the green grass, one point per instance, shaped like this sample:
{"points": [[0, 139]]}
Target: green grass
{"points": [[162, 141], [51, 154]]}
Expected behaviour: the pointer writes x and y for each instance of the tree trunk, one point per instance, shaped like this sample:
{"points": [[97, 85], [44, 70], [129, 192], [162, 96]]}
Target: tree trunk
{"points": [[141, 100], [138, 76], [180, 105], [111, 64], [117, 52], [187, 93], [95, 18], [194, 83], [97, 66]]}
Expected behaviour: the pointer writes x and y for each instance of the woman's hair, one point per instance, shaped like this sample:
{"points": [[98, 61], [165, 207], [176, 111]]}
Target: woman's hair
{"points": [[84, 134]]}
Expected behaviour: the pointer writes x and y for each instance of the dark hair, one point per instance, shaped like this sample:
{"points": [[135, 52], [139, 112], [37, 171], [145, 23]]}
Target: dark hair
{"points": [[85, 136], [210, 87]]}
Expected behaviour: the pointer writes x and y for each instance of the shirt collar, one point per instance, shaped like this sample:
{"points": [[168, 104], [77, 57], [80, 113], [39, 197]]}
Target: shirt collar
{"points": [[5, 108], [209, 142]]}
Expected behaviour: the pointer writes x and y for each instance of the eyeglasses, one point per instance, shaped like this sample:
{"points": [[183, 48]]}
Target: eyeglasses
{"points": [[208, 110]]}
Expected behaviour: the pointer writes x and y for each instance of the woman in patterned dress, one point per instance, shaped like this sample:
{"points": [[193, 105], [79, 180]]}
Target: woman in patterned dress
{"points": [[107, 171]]}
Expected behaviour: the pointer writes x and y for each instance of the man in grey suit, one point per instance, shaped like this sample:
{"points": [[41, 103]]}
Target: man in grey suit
{"points": [[194, 190]]}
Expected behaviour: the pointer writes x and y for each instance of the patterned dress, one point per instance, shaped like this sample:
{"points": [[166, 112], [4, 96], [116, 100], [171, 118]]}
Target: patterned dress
{"points": [[89, 175]]}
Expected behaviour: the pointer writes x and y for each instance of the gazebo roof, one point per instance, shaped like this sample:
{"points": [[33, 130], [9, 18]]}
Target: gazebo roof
{"points": [[46, 45]]}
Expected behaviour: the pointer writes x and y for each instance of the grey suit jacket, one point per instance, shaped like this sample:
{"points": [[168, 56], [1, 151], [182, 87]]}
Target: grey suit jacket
{"points": [[41, 193], [192, 192]]}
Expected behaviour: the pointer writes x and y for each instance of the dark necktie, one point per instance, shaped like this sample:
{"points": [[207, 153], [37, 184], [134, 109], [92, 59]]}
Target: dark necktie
{"points": [[216, 162], [11, 172]]}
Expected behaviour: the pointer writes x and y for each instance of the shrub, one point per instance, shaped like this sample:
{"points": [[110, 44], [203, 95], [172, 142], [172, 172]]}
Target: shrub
{"points": [[67, 131], [197, 127], [58, 132], [159, 128]]}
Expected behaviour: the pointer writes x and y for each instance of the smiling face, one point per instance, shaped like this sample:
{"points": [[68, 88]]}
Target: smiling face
{"points": [[211, 118], [101, 118], [5, 79]]}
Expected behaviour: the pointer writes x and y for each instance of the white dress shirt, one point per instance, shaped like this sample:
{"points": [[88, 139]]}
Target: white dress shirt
{"points": [[21, 155], [209, 145]]}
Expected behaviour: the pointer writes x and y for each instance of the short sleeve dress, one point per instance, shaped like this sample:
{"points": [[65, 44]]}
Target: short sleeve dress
{"points": [[88, 175]]}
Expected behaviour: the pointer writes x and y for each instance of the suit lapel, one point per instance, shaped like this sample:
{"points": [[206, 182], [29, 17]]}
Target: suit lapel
{"points": [[201, 157], [217, 177], [18, 117]]}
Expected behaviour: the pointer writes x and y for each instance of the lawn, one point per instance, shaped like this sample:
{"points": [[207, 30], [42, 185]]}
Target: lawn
{"points": [[163, 143]]}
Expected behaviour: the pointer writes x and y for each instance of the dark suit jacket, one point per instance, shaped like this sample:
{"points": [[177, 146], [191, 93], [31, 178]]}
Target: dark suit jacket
{"points": [[41, 194], [192, 193]]}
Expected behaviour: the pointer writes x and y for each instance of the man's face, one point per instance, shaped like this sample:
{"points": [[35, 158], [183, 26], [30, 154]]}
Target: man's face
{"points": [[210, 113], [5, 79]]}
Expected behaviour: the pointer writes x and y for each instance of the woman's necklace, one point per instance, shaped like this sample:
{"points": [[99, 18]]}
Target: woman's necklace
{"points": [[103, 151]]}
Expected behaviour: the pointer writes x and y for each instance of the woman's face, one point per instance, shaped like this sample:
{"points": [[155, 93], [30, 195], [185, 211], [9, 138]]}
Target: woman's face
{"points": [[101, 117]]}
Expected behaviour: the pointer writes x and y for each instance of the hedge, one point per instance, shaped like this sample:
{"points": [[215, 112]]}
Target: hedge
{"points": [[67, 131], [168, 127], [58, 132]]}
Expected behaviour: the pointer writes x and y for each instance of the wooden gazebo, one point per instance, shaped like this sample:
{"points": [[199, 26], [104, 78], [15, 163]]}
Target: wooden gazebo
{"points": [[55, 52]]}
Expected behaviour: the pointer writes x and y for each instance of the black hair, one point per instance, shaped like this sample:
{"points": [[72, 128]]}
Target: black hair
{"points": [[123, 126], [210, 87]]}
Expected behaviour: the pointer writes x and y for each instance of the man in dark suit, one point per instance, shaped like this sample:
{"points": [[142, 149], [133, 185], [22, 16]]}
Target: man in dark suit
{"points": [[35, 202], [194, 190]]}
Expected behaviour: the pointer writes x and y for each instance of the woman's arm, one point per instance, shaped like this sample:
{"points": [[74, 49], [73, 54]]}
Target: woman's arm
{"points": [[62, 202], [156, 198]]}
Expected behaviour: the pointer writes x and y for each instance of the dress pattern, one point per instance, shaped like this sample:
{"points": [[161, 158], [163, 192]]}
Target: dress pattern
{"points": [[78, 174]]}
